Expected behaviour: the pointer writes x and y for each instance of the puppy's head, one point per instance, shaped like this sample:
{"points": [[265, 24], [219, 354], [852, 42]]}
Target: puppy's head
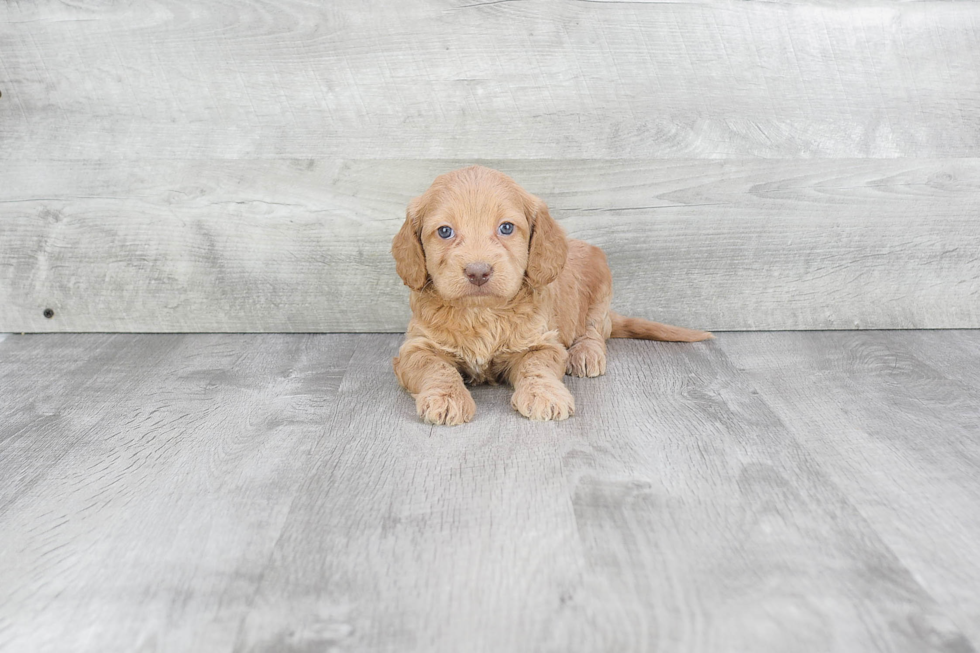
{"points": [[478, 236]]}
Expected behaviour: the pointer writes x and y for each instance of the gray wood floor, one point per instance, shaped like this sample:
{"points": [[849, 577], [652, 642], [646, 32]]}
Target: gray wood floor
{"points": [[763, 492]]}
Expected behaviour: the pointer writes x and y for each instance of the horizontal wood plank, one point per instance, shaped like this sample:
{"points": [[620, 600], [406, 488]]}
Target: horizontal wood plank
{"points": [[303, 245], [506, 80]]}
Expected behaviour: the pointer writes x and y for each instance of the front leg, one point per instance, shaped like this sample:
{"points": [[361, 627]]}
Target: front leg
{"points": [[440, 394], [539, 392]]}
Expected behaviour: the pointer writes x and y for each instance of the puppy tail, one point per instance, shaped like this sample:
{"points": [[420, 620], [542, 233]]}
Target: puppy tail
{"points": [[635, 327]]}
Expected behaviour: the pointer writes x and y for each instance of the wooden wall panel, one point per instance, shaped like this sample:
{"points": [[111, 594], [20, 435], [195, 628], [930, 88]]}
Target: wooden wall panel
{"points": [[184, 166], [302, 245], [460, 79]]}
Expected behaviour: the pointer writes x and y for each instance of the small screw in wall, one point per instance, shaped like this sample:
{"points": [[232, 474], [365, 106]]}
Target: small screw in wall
{"points": [[48, 313]]}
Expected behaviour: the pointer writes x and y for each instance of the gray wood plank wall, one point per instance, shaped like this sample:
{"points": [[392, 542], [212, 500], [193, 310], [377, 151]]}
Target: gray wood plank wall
{"points": [[185, 166]]}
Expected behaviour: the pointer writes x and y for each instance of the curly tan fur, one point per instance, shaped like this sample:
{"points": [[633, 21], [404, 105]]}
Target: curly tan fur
{"points": [[543, 312]]}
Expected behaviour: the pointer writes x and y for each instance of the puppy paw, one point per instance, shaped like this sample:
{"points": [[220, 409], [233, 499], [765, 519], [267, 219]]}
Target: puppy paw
{"points": [[450, 406], [586, 357], [543, 401]]}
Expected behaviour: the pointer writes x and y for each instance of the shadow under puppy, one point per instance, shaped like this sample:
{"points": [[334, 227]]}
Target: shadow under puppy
{"points": [[500, 293]]}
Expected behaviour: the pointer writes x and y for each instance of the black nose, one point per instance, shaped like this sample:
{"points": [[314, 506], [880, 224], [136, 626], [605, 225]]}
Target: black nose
{"points": [[478, 273]]}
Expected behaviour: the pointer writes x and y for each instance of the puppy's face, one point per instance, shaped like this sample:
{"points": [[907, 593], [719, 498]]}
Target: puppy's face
{"points": [[477, 235]]}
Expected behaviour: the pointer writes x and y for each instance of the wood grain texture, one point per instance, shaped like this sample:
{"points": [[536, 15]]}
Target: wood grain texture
{"points": [[173, 166], [691, 492], [277, 493], [144, 482], [955, 353], [303, 245], [511, 80], [883, 415]]}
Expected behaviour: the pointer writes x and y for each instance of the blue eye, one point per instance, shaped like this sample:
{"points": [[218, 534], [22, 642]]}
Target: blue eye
{"points": [[505, 228], [445, 232]]}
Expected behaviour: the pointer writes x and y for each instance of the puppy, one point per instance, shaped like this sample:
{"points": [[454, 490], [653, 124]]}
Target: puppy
{"points": [[498, 293]]}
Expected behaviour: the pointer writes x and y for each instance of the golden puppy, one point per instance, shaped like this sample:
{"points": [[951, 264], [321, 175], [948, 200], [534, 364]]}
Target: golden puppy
{"points": [[500, 293]]}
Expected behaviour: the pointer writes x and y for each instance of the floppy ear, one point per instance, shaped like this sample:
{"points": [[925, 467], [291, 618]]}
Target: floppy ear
{"points": [[549, 245], [406, 247]]}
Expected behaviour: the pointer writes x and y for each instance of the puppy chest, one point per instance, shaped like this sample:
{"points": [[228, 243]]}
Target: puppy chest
{"points": [[480, 369], [484, 346], [483, 359]]}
